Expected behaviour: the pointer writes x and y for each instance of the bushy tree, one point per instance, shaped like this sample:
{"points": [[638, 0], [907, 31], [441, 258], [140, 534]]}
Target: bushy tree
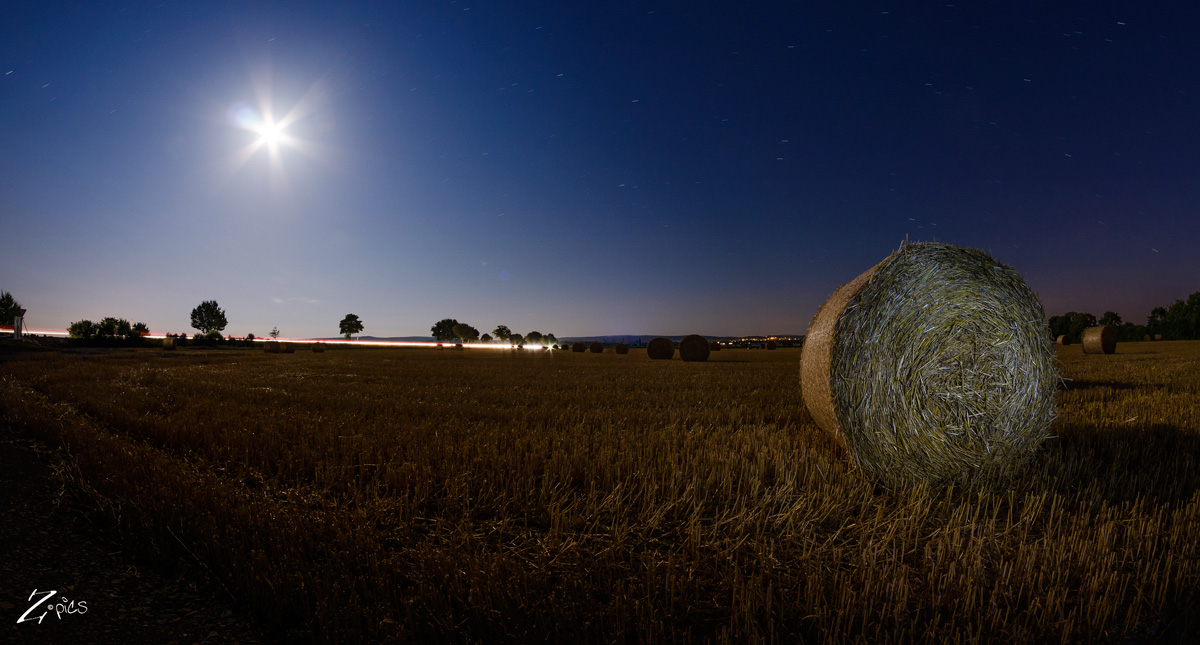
{"points": [[9, 308], [466, 333], [502, 332], [1110, 318], [140, 329], [533, 337], [209, 317], [274, 332], [486, 338], [82, 329], [443, 329], [350, 325], [549, 339]]}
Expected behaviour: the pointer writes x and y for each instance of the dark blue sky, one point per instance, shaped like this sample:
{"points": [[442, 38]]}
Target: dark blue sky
{"points": [[597, 169]]}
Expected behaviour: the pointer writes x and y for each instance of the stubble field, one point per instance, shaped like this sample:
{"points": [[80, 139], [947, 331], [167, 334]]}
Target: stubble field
{"points": [[451, 496]]}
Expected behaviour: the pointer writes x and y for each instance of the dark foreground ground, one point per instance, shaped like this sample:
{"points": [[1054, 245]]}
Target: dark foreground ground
{"points": [[48, 544]]}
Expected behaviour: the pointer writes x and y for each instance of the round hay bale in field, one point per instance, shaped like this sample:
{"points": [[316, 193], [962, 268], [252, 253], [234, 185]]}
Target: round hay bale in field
{"points": [[1063, 340], [1100, 340], [1158, 337], [771, 344], [660, 349], [596, 347], [714, 346], [288, 348], [579, 347], [168, 344], [1146, 338], [621, 348], [934, 365], [272, 347], [693, 348]]}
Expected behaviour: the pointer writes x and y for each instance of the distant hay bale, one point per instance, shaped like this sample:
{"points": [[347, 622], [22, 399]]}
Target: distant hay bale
{"points": [[1100, 340], [555, 346], [168, 344], [579, 347], [714, 346], [1063, 340], [596, 347], [318, 348], [458, 346], [1158, 337], [621, 348], [771, 344], [660, 349], [934, 365], [288, 348], [1146, 338], [272, 347], [694, 348]]}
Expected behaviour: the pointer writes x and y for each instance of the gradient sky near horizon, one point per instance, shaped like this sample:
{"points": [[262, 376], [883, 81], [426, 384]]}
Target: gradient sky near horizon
{"points": [[585, 169]]}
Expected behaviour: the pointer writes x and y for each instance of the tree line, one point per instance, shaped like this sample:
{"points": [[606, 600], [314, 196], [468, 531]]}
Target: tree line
{"points": [[1179, 321]]}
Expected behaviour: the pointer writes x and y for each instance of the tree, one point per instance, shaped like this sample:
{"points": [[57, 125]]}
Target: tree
{"points": [[82, 329], [485, 338], [466, 333], [502, 332], [1110, 318], [9, 308], [140, 329], [350, 325], [533, 337], [516, 339], [274, 332], [443, 329], [549, 339], [209, 317]]}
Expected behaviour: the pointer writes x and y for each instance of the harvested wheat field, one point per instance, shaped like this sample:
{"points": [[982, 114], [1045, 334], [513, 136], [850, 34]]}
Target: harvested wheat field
{"points": [[410, 494]]}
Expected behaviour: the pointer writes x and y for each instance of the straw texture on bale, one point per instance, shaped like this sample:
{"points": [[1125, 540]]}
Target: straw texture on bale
{"points": [[694, 348], [934, 365], [1100, 340], [168, 344], [660, 349], [596, 347], [621, 348], [1063, 340], [579, 347]]}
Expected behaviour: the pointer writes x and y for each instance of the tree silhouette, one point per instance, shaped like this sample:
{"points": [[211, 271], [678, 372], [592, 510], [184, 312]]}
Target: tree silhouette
{"points": [[209, 317], [350, 325]]}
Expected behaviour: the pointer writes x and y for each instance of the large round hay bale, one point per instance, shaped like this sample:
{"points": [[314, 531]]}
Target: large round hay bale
{"points": [[272, 347], [934, 365], [1100, 340], [579, 347], [596, 347], [694, 348], [771, 344], [168, 344], [1063, 339], [714, 346], [621, 348], [660, 349], [1158, 337]]}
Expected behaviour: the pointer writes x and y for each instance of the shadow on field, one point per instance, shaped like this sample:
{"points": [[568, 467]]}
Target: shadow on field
{"points": [[1158, 463]]}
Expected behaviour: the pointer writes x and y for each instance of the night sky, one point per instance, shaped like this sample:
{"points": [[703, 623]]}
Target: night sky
{"points": [[585, 169]]}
